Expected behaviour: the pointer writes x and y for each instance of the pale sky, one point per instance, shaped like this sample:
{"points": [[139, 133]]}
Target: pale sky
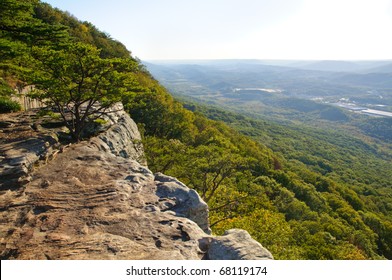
{"points": [[243, 29]]}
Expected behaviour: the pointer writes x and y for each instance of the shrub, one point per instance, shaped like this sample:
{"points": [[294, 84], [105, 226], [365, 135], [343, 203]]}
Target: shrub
{"points": [[7, 105], [5, 89]]}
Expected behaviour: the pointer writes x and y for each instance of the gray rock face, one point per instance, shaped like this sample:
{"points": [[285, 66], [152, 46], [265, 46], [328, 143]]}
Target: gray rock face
{"points": [[237, 244], [98, 200], [90, 204], [123, 138], [22, 145], [182, 200], [25, 143]]}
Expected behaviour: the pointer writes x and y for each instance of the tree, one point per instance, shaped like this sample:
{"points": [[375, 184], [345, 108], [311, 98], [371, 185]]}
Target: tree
{"points": [[15, 19], [19, 29], [80, 84], [207, 168]]}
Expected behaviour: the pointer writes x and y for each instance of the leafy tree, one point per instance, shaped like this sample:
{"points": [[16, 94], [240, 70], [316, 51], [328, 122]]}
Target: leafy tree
{"points": [[5, 89], [270, 228], [163, 154], [208, 168], [174, 122], [20, 29], [15, 20], [79, 31], [80, 84]]}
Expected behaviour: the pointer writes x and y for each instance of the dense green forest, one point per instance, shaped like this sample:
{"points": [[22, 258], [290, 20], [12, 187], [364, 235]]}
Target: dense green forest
{"points": [[303, 193]]}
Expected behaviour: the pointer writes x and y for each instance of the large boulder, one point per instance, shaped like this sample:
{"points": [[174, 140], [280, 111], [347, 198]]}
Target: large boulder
{"points": [[184, 201], [237, 244]]}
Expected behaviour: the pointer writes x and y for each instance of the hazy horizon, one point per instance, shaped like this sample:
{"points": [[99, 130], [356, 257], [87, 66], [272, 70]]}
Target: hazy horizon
{"points": [[268, 59], [243, 29]]}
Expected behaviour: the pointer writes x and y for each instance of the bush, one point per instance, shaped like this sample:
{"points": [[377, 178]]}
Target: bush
{"points": [[7, 105], [5, 90]]}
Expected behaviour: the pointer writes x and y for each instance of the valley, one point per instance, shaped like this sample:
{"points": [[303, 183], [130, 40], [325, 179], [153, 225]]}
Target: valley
{"points": [[323, 94]]}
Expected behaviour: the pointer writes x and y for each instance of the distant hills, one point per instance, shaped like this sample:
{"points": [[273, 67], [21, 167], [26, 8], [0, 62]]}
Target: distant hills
{"points": [[310, 78], [303, 91], [344, 66], [386, 68], [371, 66]]}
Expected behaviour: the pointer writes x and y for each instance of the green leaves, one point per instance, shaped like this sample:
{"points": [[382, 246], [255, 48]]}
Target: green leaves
{"points": [[16, 15], [8, 106], [295, 211], [79, 83], [19, 25]]}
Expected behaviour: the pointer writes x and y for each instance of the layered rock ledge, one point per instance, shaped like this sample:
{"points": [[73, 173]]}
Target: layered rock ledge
{"points": [[98, 200]]}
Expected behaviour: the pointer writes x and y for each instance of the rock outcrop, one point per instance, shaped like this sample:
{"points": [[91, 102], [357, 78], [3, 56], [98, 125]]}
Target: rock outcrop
{"points": [[22, 145], [237, 244], [98, 200]]}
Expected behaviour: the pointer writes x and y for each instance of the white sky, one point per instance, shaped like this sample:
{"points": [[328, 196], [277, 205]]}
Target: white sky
{"points": [[255, 29]]}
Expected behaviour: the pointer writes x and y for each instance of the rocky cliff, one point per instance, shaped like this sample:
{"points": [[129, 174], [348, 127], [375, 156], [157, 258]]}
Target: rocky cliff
{"points": [[98, 200]]}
